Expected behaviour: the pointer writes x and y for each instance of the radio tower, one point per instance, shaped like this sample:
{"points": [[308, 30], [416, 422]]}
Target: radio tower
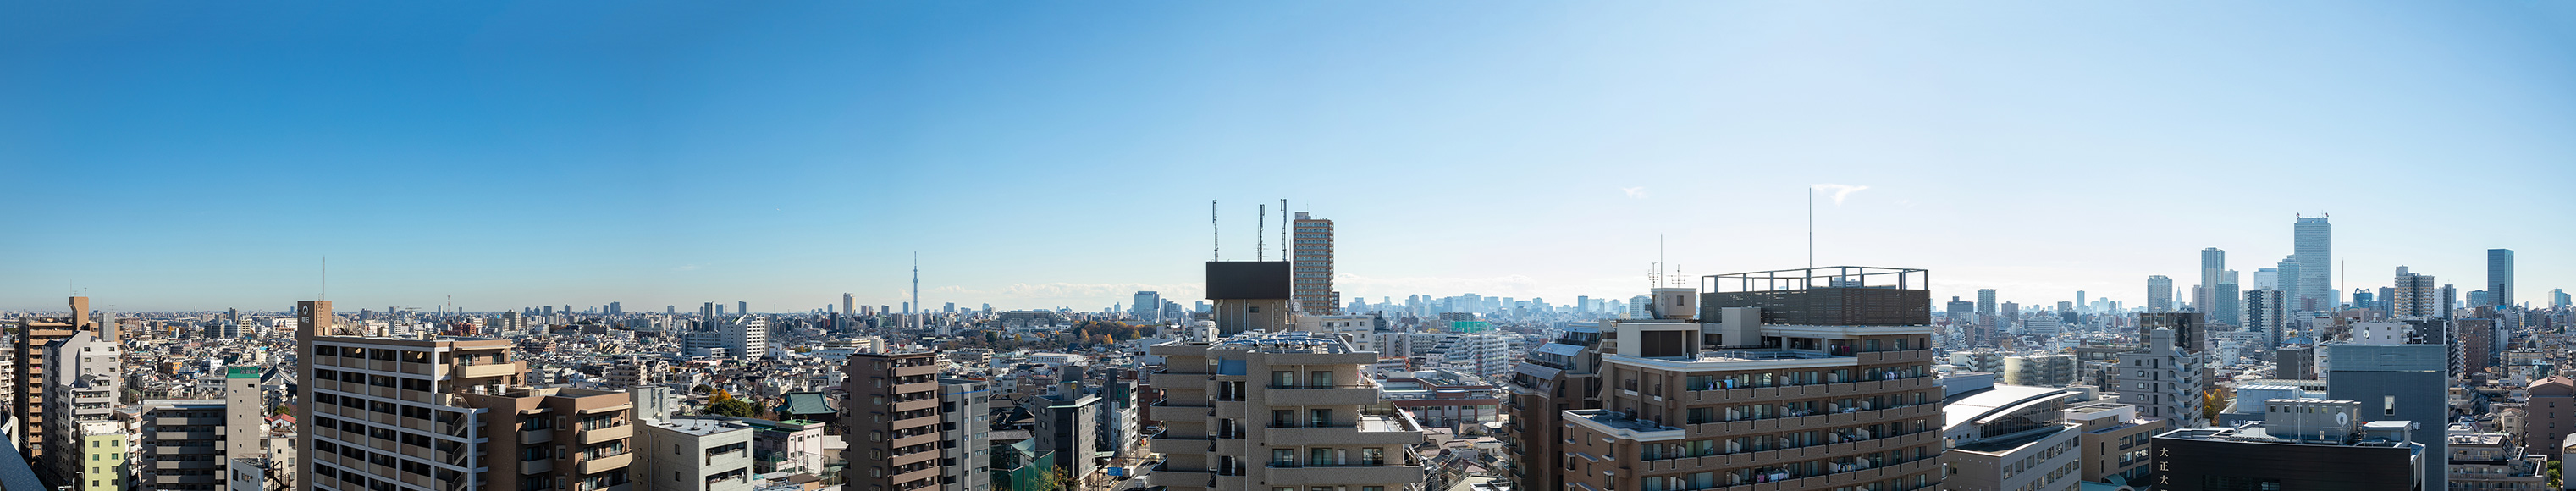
{"points": [[917, 310]]}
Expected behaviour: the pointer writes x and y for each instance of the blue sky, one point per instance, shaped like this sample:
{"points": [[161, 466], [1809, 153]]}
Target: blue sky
{"points": [[178, 155]]}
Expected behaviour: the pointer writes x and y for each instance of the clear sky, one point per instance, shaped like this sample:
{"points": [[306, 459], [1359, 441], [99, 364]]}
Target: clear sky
{"points": [[185, 155]]}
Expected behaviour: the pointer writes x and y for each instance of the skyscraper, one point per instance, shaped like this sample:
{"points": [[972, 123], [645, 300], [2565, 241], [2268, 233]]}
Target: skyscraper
{"points": [[1312, 257], [2266, 312], [2213, 263], [2159, 294], [1986, 302], [849, 304], [2313, 245], [2227, 307], [2267, 279], [1148, 306], [2288, 282], [2500, 276], [2415, 296]]}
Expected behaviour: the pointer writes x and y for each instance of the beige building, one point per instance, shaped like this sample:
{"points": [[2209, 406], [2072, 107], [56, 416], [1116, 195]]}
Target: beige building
{"points": [[28, 367], [1804, 387], [446, 413], [2115, 441], [1275, 411]]}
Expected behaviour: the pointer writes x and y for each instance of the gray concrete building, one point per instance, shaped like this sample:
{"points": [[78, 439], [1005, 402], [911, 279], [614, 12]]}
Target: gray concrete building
{"points": [[2397, 382]]}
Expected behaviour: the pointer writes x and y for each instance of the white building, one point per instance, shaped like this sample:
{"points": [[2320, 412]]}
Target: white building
{"points": [[692, 454]]}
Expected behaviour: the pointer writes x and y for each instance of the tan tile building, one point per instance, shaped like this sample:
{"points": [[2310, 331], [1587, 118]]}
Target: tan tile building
{"points": [[1770, 389], [28, 381], [447, 414], [892, 418], [1277, 411]]}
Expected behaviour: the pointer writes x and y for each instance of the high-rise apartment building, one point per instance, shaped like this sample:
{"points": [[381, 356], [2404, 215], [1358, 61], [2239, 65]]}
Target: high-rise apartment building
{"points": [[2288, 282], [2160, 294], [2415, 296], [2267, 311], [2313, 245], [1767, 382], [2163, 380], [445, 413], [2500, 276], [84, 374], [849, 304], [1986, 302], [2226, 301], [1312, 254], [1313, 420], [2213, 264], [29, 368], [892, 421], [747, 337], [965, 453]]}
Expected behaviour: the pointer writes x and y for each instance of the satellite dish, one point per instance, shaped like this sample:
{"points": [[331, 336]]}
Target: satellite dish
{"points": [[2343, 418]]}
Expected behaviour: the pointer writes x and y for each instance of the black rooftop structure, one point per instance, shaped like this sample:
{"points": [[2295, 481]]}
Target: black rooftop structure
{"points": [[1824, 295]]}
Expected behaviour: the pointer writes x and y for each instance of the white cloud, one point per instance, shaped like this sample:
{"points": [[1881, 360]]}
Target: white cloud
{"points": [[1638, 192], [1839, 190]]}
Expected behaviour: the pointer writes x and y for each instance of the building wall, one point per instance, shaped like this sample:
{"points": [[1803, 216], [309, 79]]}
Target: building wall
{"points": [[965, 423], [674, 457], [893, 420]]}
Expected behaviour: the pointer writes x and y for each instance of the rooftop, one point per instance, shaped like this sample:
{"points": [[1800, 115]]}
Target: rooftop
{"points": [[698, 426]]}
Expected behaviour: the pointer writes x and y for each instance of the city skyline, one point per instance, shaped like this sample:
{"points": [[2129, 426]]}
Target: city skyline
{"points": [[516, 157]]}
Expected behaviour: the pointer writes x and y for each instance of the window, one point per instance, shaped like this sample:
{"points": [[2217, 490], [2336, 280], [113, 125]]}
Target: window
{"points": [[1320, 379], [1281, 380], [1282, 457]]}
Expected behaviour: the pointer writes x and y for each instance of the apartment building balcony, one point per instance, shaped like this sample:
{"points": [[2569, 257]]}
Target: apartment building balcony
{"points": [[532, 437], [925, 472], [1179, 411], [1895, 356], [184, 435], [924, 438], [183, 464], [182, 479], [1321, 395], [916, 404], [916, 371], [1837, 389], [182, 450], [1181, 380], [604, 464], [539, 466], [486, 370], [597, 435], [1368, 430], [1295, 475], [205, 421], [1166, 475], [1167, 442], [1812, 421], [1859, 477], [1744, 459]]}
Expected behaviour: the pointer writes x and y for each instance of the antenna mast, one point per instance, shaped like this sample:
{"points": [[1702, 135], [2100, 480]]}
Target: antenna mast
{"points": [[1260, 219], [1283, 230], [1216, 236]]}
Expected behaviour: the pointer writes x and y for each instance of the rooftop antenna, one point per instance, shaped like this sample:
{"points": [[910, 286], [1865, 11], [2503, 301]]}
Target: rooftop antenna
{"points": [[1216, 237], [1283, 230], [1260, 220], [1655, 274]]}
